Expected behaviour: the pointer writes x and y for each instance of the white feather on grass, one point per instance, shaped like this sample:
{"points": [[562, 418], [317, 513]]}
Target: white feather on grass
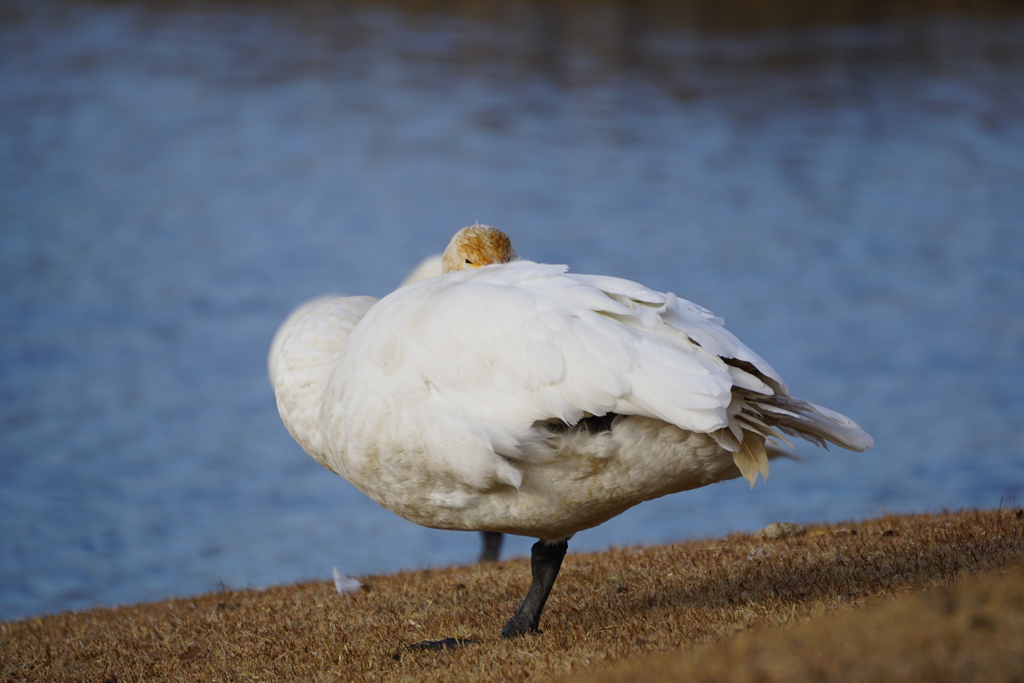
{"points": [[345, 584]]}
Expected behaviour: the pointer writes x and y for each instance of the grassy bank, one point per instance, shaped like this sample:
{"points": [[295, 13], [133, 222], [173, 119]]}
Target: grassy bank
{"points": [[805, 607]]}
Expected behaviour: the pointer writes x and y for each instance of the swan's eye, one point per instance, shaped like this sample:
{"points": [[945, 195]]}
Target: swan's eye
{"points": [[469, 262]]}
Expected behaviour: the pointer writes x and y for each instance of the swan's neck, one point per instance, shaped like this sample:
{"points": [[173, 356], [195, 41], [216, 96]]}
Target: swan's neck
{"points": [[305, 352]]}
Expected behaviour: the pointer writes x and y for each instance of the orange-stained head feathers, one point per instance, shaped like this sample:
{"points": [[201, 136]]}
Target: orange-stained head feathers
{"points": [[477, 246]]}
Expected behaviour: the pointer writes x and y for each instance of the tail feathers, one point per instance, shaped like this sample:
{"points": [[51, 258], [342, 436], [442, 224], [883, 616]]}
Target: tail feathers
{"points": [[757, 424], [814, 423]]}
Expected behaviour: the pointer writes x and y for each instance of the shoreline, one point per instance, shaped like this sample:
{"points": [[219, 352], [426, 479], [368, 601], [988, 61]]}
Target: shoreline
{"points": [[693, 604]]}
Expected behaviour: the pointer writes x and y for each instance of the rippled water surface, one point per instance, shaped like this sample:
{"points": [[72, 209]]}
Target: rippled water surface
{"points": [[175, 177]]}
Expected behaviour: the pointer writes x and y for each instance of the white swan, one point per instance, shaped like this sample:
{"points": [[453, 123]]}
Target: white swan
{"points": [[524, 399]]}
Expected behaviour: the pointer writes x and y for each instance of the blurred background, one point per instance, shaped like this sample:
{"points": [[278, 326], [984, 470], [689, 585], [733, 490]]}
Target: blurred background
{"points": [[843, 182]]}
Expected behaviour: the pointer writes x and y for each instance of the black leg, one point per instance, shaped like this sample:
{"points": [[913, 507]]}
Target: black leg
{"points": [[491, 550], [545, 561]]}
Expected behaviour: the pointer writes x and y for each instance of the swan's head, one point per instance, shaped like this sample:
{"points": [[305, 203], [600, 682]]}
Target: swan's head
{"points": [[475, 247]]}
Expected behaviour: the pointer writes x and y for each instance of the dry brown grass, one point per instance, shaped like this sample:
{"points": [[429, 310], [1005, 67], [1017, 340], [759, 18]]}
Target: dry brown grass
{"points": [[608, 611], [971, 631]]}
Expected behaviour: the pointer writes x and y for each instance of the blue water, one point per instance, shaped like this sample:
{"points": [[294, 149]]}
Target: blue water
{"points": [[176, 177]]}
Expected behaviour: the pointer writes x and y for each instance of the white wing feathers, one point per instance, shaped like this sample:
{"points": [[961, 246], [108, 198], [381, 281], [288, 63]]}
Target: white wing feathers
{"points": [[508, 346]]}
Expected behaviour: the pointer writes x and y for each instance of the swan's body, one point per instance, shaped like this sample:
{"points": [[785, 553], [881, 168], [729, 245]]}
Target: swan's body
{"points": [[523, 399]]}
